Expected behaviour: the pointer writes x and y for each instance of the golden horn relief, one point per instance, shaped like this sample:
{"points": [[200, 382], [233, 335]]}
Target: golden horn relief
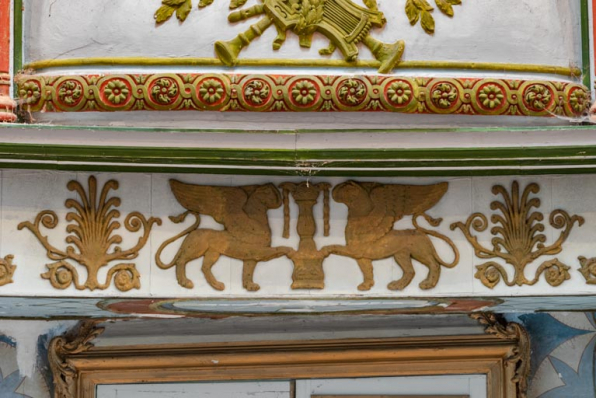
{"points": [[373, 209], [344, 23]]}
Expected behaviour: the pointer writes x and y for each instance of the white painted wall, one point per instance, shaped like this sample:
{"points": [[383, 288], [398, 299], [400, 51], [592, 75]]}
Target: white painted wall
{"points": [[25, 193], [517, 31]]}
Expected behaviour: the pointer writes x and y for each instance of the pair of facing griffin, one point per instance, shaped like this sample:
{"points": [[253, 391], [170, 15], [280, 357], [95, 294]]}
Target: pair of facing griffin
{"points": [[373, 209]]}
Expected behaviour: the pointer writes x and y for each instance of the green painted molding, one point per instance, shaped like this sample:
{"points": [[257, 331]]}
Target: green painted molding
{"points": [[303, 162], [586, 45], [18, 35]]}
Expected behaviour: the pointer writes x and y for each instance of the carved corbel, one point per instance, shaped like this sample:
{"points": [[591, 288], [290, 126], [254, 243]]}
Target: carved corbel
{"points": [[76, 341], [520, 357]]}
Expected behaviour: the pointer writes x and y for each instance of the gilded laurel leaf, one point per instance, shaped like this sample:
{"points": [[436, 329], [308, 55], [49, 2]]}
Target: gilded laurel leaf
{"points": [[180, 7], [445, 7], [237, 3], [205, 3], [421, 10]]}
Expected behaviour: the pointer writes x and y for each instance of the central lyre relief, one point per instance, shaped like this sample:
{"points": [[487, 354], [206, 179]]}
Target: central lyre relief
{"points": [[373, 209], [345, 23]]}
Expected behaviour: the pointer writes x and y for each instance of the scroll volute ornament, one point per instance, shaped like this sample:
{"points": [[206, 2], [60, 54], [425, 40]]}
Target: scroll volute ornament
{"points": [[518, 239], [77, 341], [91, 240], [7, 269], [520, 358]]}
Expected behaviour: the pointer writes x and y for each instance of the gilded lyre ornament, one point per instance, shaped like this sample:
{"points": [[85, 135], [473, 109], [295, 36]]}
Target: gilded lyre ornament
{"points": [[246, 235], [520, 358], [91, 237], [76, 341], [373, 209], [7, 269], [343, 22], [518, 239]]}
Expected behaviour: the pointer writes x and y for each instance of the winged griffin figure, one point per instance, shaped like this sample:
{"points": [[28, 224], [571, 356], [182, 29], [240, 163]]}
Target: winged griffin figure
{"points": [[246, 235], [373, 209], [343, 22]]}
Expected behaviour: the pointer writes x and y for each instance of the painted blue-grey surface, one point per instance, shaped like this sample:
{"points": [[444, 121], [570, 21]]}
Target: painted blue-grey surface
{"points": [[563, 354]]}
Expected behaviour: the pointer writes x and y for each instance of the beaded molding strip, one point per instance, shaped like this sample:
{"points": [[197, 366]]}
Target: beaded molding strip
{"points": [[307, 93]]}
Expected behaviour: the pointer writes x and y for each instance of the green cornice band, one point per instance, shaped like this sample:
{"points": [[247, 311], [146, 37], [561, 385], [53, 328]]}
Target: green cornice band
{"points": [[300, 162]]}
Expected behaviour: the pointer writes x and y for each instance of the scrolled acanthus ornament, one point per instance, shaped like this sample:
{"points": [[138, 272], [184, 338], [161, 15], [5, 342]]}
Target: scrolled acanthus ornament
{"points": [[518, 239], [7, 269], [520, 357], [75, 342], [91, 238]]}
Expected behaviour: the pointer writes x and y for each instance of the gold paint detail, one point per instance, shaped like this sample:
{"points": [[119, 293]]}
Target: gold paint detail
{"points": [[343, 22], [307, 63], [246, 235], [77, 341], [588, 269], [7, 269], [373, 209], [80, 368], [303, 93], [520, 358], [518, 239], [90, 237]]}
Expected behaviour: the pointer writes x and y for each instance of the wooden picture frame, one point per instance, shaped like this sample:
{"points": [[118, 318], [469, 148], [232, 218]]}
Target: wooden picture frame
{"points": [[501, 354]]}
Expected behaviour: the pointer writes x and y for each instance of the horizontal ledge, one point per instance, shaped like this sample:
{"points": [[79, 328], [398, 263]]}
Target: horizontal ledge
{"points": [[317, 63]]}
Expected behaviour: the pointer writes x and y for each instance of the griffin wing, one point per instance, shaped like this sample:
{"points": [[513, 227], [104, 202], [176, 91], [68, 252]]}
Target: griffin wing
{"points": [[221, 203], [393, 201], [407, 200]]}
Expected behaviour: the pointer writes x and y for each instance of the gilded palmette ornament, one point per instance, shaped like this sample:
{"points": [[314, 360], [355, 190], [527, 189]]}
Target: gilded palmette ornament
{"points": [[520, 357], [518, 239], [7, 269], [91, 240], [246, 236]]}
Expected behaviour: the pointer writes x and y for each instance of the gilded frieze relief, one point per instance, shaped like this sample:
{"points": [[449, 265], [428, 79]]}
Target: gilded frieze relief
{"points": [[373, 209], [344, 23], [517, 235], [7, 269], [301, 93], [518, 238], [91, 240]]}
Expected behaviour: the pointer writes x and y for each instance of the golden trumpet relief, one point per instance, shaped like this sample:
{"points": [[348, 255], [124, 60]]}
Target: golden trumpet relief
{"points": [[373, 209], [345, 23]]}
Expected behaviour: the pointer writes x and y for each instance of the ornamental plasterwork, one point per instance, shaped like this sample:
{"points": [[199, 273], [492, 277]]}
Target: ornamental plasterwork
{"points": [[373, 209], [91, 240], [518, 239], [345, 23], [302, 93]]}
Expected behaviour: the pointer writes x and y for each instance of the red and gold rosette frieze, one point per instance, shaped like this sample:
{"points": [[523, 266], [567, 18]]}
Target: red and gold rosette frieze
{"points": [[303, 93]]}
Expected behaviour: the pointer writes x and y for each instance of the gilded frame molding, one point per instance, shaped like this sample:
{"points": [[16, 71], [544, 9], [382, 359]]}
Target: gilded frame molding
{"points": [[502, 354]]}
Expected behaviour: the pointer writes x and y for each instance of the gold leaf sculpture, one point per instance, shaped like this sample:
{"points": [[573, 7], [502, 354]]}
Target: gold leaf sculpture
{"points": [[518, 239], [7, 269], [343, 22], [373, 209], [246, 237], [588, 269], [91, 236]]}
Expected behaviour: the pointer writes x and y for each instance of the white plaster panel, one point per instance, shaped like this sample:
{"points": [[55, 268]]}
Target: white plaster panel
{"points": [[26, 193], [517, 31]]}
